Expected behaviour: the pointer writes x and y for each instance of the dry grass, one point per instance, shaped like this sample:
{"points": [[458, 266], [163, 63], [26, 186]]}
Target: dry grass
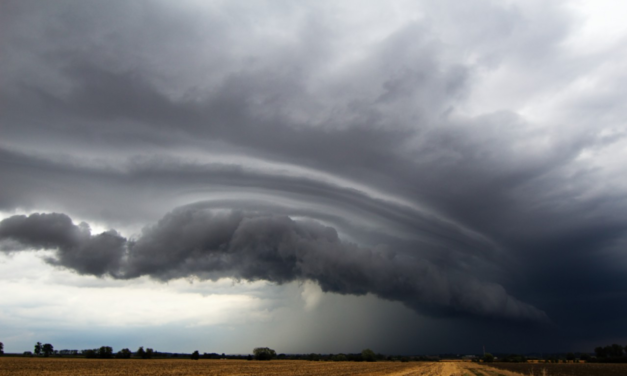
{"points": [[185, 367], [564, 369]]}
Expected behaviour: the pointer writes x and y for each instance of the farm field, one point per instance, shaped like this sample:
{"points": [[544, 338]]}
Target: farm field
{"points": [[562, 369], [185, 367]]}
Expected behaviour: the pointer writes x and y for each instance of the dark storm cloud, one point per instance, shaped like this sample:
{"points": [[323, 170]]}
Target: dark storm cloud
{"points": [[261, 247], [77, 248], [99, 102]]}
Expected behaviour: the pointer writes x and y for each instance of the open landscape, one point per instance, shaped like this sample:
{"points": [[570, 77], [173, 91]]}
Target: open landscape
{"points": [[313, 187], [21, 366], [161, 367]]}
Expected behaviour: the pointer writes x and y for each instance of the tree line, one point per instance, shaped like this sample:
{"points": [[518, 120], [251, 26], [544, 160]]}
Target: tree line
{"points": [[259, 353], [614, 353]]}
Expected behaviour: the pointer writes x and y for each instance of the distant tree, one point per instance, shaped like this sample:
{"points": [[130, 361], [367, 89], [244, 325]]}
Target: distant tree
{"points": [[617, 351], [195, 355], [264, 353], [570, 356], [148, 353], [339, 358], [249, 357], [313, 357], [585, 357], [90, 353], [124, 354], [141, 352], [38, 348], [105, 352], [368, 355], [1, 348], [488, 358], [47, 349]]}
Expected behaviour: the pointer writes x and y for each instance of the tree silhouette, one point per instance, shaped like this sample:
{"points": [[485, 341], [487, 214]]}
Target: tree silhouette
{"points": [[617, 350], [38, 348], [105, 352], [368, 355], [195, 355], [141, 352], [148, 353], [47, 349], [264, 353], [1, 348], [488, 358], [123, 354]]}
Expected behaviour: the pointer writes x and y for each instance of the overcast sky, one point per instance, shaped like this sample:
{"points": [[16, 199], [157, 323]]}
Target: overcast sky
{"points": [[313, 176]]}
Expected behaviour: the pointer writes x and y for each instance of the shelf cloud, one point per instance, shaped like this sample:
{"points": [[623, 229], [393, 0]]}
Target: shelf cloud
{"points": [[465, 160]]}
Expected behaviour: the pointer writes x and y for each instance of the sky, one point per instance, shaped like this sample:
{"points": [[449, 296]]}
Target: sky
{"points": [[414, 177]]}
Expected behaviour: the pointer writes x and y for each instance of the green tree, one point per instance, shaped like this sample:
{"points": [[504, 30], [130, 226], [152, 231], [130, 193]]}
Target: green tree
{"points": [[47, 349], [195, 355], [38, 348], [368, 355], [124, 354], [488, 358], [264, 353]]}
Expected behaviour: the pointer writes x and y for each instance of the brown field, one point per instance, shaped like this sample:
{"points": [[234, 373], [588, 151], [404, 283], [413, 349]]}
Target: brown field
{"points": [[184, 367], [564, 369]]}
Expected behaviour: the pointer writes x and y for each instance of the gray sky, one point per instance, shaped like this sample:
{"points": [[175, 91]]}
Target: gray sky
{"points": [[413, 177]]}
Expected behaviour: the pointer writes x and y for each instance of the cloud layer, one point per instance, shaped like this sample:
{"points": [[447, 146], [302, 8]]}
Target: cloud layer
{"points": [[205, 245], [459, 158]]}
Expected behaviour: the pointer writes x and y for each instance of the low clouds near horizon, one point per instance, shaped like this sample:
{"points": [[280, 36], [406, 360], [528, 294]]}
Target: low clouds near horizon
{"points": [[465, 160]]}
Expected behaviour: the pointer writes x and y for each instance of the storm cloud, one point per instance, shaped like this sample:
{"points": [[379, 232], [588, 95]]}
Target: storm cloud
{"points": [[467, 160], [197, 243]]}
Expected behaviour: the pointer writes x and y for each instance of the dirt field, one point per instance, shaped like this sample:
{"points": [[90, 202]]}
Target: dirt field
{"points": [[185, 367], [562, 369]]}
